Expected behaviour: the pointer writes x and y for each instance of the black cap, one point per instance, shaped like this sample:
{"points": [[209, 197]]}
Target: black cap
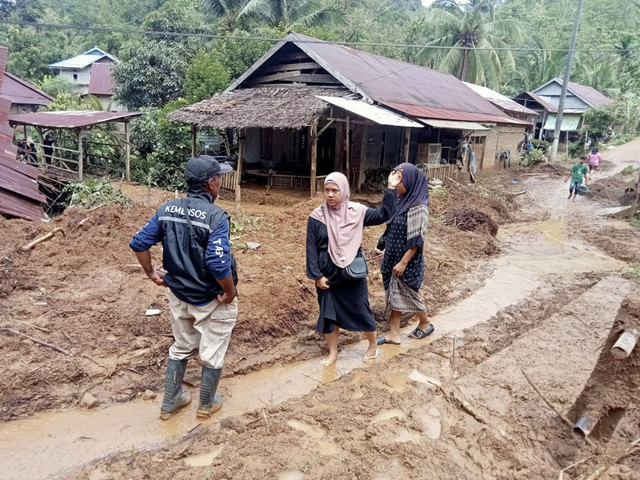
{"points": [[203, 167]]}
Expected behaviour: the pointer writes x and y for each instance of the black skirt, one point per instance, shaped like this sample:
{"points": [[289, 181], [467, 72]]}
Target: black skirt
{"points": [[345, 304]]}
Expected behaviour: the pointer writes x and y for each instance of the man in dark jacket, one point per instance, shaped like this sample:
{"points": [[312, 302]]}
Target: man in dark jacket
{"points": [[201, 276]]}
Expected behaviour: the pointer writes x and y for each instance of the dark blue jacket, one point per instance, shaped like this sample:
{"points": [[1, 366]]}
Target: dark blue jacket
{"points": [[194, 261]]}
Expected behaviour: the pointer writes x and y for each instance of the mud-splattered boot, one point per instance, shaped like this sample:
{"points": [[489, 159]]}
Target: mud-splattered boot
{"points": [[210, 403], [174, 399]]}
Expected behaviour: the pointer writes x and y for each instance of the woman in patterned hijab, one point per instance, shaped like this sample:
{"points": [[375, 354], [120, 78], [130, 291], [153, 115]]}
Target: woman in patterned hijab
{"points": [[403, 262]]}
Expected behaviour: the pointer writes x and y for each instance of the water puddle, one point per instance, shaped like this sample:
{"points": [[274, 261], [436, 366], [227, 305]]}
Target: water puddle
{"points": [[310, 430], [388, 415], [291, 475], [204, 459], [395, 383]]}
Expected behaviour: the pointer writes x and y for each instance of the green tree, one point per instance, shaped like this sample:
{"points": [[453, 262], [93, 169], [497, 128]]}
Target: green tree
{"points": [[160, 148], [151, 72], [479, 52], [56, 85], [205, 77]]}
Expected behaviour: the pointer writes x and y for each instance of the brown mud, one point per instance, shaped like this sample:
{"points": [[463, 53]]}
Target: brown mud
{"points": [[541, 298]]}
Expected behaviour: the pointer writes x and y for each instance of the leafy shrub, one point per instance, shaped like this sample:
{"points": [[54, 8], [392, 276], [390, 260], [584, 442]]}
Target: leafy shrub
{"points": [[94, 192], [375, 179], [576, 149], [534, 157], [628, 170]]}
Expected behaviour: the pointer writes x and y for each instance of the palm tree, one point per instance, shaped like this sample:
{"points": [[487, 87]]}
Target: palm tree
{"points": [[537, 66], [231, 14], [478, 52], [292, 13]]}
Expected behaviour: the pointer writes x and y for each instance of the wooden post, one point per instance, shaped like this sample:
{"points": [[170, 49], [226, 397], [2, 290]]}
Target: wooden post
{"points": [[313, 140], [241, 147], [348, 149], [80, 154], [193, 140], [127, 152], [407, 142], [41, 161]]}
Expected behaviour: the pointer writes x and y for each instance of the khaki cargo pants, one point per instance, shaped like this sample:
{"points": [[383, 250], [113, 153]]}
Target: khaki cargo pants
{"points": [[205, 330]]}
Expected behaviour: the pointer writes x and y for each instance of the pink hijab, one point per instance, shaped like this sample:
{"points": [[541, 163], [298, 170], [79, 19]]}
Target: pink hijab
{"points": [[344, 223]]}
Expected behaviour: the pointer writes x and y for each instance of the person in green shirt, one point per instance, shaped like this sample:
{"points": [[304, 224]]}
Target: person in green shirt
{"points": [[578, 172]]}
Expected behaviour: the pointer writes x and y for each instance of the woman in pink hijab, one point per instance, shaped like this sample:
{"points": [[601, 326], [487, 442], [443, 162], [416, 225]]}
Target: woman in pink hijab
{"points": [[334, 238]]}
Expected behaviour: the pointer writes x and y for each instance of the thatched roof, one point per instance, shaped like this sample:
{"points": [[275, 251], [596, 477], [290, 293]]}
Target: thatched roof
{"points": [[269, 107]]}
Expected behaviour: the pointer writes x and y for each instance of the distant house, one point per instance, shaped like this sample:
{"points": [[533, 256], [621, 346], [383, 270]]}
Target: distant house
{"points": [[23, 96], [91, 72], [308, 107], [546, 99]]}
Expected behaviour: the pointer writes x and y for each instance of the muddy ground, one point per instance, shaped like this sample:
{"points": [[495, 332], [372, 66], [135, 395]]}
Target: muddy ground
{"points": [[456, 406]]}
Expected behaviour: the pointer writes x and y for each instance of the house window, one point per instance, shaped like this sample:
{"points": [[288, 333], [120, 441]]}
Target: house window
{"points": [[266, 143], [75, 76]]}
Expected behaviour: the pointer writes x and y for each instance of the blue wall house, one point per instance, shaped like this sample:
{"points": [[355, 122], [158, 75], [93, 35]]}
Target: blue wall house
{"points": [[546, 98]]}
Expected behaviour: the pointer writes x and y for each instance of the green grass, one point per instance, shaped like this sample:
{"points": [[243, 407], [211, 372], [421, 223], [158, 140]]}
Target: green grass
{"points": [[634, 269], [627, 170]]}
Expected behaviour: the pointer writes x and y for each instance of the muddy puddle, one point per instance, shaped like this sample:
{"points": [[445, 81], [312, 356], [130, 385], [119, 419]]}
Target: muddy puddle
{"points": [[51, 443]]}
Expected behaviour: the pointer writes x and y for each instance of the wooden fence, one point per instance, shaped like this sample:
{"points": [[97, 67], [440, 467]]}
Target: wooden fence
{"points": [[441, 172], [229, 180]]}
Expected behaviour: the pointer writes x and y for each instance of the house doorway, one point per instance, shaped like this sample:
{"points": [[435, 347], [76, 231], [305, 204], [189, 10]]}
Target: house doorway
{"points": [[326, 151]]}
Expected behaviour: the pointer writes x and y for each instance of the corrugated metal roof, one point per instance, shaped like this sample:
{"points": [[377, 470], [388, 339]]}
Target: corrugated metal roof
{"points": [[589, 94], [101, 81], [80, 61], [444, 114], [377, 114], [19, 194], [499, 100], [69, 119], [387, 81], [549, 107], [19, 91], [454, 124]]}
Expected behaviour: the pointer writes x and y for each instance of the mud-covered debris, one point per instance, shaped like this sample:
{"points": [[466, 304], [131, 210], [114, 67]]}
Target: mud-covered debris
{"points": [[89, 401], [469, 219], [149, 395]]}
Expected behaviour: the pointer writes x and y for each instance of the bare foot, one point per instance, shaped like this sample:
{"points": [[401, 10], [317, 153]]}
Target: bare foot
{"points": [[331, 358]]}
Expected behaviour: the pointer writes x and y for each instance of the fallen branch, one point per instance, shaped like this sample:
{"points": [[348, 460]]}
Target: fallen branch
{"points": [[42, 329], [562, 417], [519, 193], [44, 238], [35, 340], [454, 182]]}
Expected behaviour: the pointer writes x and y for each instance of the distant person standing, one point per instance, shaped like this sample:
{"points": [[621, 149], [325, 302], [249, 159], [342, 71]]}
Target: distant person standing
{"points": [[48, 148], [594, 159], [578, 172]]}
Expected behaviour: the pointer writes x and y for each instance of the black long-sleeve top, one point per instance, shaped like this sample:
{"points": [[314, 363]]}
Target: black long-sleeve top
{"points": [[319, 263]]}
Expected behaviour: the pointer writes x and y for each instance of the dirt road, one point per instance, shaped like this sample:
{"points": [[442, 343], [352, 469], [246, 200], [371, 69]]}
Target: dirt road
{"points": [[455, 406]]}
